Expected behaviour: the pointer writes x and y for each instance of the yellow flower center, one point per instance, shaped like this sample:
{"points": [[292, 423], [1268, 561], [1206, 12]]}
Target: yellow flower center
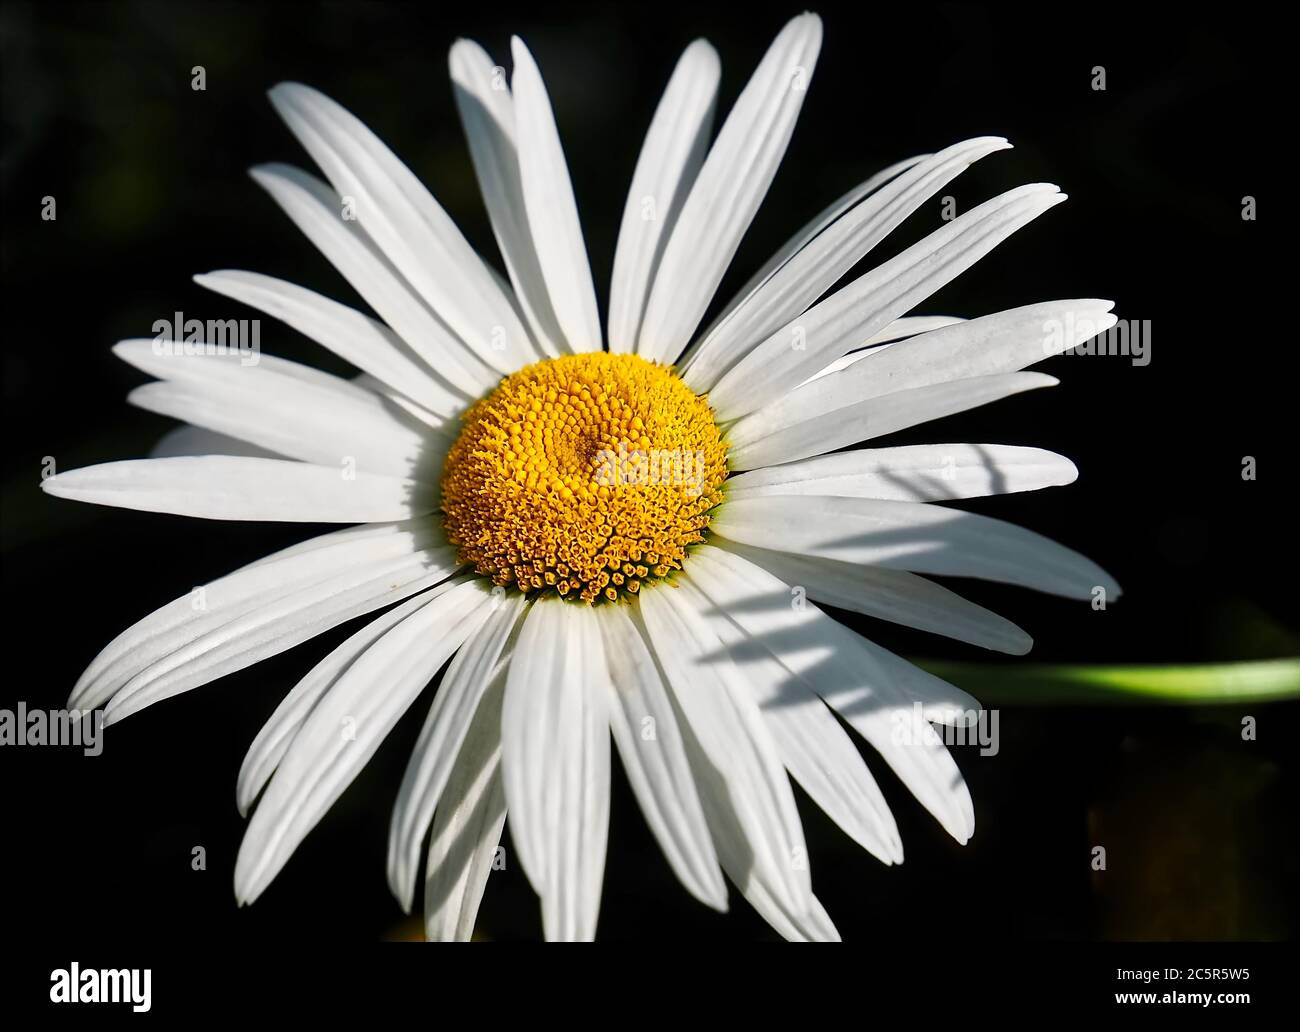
{"points": [[587, 475]]}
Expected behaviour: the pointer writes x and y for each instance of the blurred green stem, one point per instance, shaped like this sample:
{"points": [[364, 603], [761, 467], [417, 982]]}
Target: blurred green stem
{"points": [[1267, 680]]}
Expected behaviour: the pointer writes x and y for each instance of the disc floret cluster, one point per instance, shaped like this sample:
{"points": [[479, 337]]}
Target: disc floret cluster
{"points": [[588, 475]]}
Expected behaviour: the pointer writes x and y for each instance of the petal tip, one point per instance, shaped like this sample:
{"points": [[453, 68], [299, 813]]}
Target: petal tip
{"points": [[1021, 646]]}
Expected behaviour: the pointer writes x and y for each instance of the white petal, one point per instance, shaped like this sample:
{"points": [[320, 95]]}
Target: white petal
{"points": [[815, 646], [421, 533], [912, 536], [729, 189], [894, 595], [271, 628], [454, 706], [194, 440], [814, 925], [1000, 343], [907, 326], [740, 771], [820, 265], [467, 828], [552, 211], [822, 416], [347, 726], [219, 359], [670, 159], [854, 313], [796, 244], [656, 762], [555, 756], [245, 590], [401, 405], [870, 688], [813, 746], [284, 413], [318, 212], [368, 344], [227, 487], [918, 473], [283, 421], [278, 733], [759, 884], [488, 115], [411, 228]]}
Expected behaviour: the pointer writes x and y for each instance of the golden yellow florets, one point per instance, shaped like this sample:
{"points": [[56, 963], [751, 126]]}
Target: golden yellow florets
{"points": [[586, 475]]}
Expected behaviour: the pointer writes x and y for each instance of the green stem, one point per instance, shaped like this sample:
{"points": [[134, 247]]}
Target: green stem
{"points": [[1269, 680]]}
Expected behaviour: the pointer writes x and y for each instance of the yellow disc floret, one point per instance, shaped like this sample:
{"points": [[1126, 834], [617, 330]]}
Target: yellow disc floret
{"points": [[587, 475]]}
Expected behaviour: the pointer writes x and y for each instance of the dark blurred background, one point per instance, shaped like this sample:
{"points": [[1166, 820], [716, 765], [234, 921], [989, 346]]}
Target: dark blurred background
{"points": [[150, 185]]}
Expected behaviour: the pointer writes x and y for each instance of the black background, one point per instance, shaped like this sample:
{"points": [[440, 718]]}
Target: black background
{"points": [[150, 183]]}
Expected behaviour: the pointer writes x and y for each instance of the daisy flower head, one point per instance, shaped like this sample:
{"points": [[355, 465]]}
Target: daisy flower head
{"points": [[603, 531]]}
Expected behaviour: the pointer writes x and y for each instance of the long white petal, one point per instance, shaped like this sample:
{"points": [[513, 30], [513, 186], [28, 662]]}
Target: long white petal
{"points": [[487, 114], [288, 422], [287, 414], [552, 211], [813, 746], [1004, 342], [278, 733], [245, 590], [918, 473], [654, 756], [815, 646], [896, 331], [912, 536], [215, 359], [319, 213], [854, 313], [347, 726], [758, 883], [832, 253], [907, 326], [870, 688], [813, 925], [194, 440], [797, 243], [555, 757], [467, 828], [730, 187], [741, 771], [276, 626], [894, 595], [367, 343], [228, 487], [454, 706], [670, 159], [410, 227], [1000, 343], [818, 417]]}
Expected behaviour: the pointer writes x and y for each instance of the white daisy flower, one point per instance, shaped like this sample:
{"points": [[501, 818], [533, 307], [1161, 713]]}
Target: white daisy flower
{"points": [[602, 534]]}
